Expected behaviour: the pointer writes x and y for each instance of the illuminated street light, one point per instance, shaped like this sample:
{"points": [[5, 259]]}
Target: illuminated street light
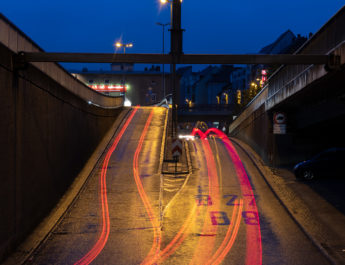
{"points": [[124, 45], [167, 1]]}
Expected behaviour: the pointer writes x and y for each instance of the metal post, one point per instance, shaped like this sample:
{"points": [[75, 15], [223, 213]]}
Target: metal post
{"points": [[174, 109], [163, 52], [176, 52], [163, 66]]}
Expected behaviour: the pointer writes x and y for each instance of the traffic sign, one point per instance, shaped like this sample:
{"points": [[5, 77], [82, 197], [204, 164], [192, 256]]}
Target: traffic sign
{"points": [[279, 123], [176, 147], [279, 118]]}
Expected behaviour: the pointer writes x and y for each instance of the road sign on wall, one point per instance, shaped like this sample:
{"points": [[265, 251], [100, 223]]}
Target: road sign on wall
{"points": [[279, 123], [176, 147]]}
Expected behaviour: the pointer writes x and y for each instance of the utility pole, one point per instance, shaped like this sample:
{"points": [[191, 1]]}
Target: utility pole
{"points": [[163, 71], [176, 51]]}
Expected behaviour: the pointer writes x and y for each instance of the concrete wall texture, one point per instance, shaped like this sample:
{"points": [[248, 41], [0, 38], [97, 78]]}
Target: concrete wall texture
{"points": [[298, 90], [47, 133]]}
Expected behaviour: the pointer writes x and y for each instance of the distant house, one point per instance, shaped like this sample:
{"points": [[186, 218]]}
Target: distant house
{"points": [[206, 86], [286, 43], [187, 80]]}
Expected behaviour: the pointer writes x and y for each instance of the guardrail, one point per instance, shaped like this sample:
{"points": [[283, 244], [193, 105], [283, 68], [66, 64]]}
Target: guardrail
{"points": [[322, 42]]}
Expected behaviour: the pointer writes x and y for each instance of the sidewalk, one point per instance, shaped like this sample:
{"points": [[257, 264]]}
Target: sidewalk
{"points": [[314, 205]]}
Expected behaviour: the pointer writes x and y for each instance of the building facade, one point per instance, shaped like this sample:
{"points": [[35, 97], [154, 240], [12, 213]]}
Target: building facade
{"points": [[142, 88]]}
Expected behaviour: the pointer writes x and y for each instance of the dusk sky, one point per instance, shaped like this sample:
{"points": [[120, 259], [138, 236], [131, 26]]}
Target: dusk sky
{"points": [[218, 26]]}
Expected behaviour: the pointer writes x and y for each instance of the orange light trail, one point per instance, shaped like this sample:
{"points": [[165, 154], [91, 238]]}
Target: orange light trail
{"points": [[205, 245], [253, 232], [254, 245], [229, 238], [177, 240], [154, 221], [103, 238]]}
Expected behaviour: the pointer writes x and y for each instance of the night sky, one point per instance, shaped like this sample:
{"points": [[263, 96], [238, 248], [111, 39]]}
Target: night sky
{"points": [[218, 26]]}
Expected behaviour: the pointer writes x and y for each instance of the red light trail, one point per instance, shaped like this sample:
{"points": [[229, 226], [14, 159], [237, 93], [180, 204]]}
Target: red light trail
{"points": [[205, 245], [229, 238], [204, 252], [153, 219], [253, 232], [102, 240]]}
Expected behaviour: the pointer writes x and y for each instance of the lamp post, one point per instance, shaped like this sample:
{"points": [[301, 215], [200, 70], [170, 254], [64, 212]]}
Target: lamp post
{"points": [[124, 46], [163, 29], [175, 51]]}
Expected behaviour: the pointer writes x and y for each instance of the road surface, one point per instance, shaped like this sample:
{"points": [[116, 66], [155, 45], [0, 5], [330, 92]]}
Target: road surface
{"points": [[128, 213]]}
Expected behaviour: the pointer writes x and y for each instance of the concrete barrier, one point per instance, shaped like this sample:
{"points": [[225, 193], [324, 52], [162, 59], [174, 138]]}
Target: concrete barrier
{"points": [[48, 130]]}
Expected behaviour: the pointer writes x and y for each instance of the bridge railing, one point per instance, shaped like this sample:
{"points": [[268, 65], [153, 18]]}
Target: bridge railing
{"points": [[290, 78], [206, 108], [322, 42], [14, 39]]}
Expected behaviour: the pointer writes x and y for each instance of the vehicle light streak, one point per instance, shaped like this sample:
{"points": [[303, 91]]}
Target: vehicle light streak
{"points": [[218, 165], [205, 245], [253, 232], [177, 240], [153, 219], [254, 245], [229, 238], [102, 240]]}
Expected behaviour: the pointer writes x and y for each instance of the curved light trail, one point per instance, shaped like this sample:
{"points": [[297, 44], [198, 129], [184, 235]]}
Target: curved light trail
{"points": [[229, 238], [253, 232], [206, 244], [153, 219], [102, 240]]}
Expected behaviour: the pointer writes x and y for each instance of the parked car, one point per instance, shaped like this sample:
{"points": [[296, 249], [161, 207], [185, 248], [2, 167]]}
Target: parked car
{"points": [[328, 163]]}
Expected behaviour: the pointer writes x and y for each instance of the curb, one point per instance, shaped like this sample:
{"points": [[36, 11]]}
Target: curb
{"points": [[284, 194], [42, 231]]}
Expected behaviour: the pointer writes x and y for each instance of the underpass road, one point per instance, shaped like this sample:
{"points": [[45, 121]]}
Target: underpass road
{"points": [[283, 242], [131, 232], [221, 213]]}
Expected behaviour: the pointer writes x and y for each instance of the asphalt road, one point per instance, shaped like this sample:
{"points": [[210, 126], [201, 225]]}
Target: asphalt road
{"points": [[128, 213]]}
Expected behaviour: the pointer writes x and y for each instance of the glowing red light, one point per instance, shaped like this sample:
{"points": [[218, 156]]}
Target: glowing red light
{"points": [[102, 240], [153, 219], [109, 88], [254, 245]]}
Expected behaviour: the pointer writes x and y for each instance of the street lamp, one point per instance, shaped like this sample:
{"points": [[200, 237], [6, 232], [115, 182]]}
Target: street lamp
{"points": [[163, 29], [124, 45]]}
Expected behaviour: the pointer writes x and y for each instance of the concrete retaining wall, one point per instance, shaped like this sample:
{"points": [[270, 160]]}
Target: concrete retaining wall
{"points": [[290, 84], [47, 132], [17, 41]]}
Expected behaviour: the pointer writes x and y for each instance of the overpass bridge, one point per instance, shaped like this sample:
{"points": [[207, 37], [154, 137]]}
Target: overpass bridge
{"points": [[207, 113]]}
